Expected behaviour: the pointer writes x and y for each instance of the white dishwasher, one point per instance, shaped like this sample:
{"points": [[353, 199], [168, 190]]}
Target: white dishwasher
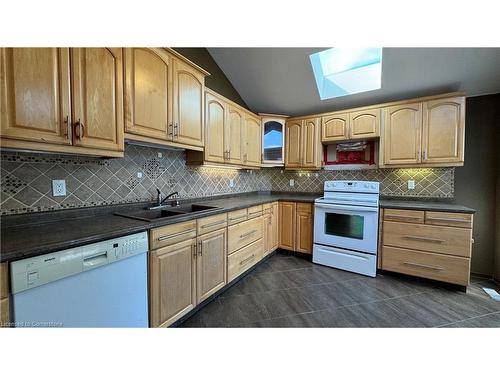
{"points": [[104, 284]]}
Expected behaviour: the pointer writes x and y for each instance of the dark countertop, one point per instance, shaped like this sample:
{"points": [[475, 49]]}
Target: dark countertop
{"points": [[29, 235], [424, 205]]}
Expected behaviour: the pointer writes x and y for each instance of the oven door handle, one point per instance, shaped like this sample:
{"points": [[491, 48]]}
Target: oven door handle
{"points": [[347, 208]]}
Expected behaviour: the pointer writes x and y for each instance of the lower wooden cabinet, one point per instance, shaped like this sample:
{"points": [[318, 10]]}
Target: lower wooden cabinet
{"points": [[211, 263], [244, 259], [429, 244], [271, 228], [172, 282], [296, 226], [185, 273], [4, 295]]}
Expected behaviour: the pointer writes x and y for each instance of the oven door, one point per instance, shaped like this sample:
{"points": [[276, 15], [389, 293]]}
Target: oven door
{"points": [[348, 227]]}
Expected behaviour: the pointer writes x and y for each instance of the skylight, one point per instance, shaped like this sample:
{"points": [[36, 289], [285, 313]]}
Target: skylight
{"points": [[346, 71]]}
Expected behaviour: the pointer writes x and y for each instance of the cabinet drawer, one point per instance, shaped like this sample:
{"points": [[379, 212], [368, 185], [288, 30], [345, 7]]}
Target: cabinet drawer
{"points": [[237, 216], [243, 259], [267, 208], [405, 216], [446, 268], [211, 223], [170, 234], [4, 280], [304, 207], [450, 219], [242, 234], [434, 239], [254, 211]]}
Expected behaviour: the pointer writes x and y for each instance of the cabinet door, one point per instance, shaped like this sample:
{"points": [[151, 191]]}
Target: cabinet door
{"points": [[215, 124], [234, 135], [188, 104], [147, 92], [444, 131], [98, 98], [252, 141], [311, 143], [211, 263], [275, 236], [335, 127], [364, 124], [304, 228], [293, 143], [172, 282], [268, 233], [287, 225], [402, 129], [35, 94]]}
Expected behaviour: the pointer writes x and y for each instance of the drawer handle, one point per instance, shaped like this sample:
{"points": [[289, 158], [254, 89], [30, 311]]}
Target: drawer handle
{"points": [[248, 233], [401, 217], [247, 259], [213, 224], [424, 239], [163, 238], [450, 219], [255, 214], [423, 266], [237, 217]]}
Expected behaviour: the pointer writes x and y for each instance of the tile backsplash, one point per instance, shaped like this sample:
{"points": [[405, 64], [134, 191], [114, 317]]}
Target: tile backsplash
{"points": [[26, 179]]}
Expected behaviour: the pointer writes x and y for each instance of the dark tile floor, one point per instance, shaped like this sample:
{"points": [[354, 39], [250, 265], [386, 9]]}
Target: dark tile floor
{"points": [[288, 291]]}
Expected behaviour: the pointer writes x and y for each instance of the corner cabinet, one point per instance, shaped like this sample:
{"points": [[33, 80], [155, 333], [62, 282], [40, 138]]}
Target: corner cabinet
{"points": [[296, 226], [62, 100], [164, 99], [233, 135], [302, 144], [428, 133]]}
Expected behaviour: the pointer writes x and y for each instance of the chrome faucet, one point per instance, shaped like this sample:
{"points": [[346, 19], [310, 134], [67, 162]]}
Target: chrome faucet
{"points": [[160, 201]]}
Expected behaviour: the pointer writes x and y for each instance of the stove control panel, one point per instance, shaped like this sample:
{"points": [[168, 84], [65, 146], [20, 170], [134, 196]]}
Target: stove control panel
{"points": [[353, 186]]}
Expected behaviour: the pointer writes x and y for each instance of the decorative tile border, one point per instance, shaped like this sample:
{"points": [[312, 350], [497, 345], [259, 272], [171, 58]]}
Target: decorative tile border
{"points": [[25, 184]]}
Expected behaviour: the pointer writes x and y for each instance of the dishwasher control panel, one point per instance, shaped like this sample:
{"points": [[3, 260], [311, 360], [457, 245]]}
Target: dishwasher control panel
{"points": [[40, 270]]}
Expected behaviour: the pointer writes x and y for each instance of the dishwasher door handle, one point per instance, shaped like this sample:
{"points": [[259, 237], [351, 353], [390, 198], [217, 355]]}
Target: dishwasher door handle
{"points": [[95, 260]]}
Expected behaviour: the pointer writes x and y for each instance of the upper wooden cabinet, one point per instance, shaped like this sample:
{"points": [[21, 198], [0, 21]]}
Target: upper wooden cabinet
{"points": [[443, 132], [302, 144], [215, 128], [147, 92], [188, 85], [426, 133], [43, 109], [361, 124], [164, 98], [234, 136], [402, 133], [252, 141], [35, 100], [97, 101]]}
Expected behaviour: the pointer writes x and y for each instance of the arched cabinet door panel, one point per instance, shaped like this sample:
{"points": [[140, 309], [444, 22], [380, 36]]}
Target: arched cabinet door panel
{"points": [[402, 130], [35, 95], [293, 143], [215, 123], [311, 144], [97, 98], [365, 124], [444, 131], [188, 85], [335, 127], [147, 92]]}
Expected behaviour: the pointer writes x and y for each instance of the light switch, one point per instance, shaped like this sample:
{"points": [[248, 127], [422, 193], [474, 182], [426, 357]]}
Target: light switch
{"points": [[292, 182], [411, 184], [231, 182]]}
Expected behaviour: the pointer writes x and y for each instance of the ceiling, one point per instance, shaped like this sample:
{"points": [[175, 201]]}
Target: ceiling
{"points": [[281, 81]]}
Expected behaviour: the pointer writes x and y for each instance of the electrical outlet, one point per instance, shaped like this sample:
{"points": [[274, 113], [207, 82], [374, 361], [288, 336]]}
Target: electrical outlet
{"points": [[139, 174], [292, 182], [411, 184], [231, 182], [58, 188], [160, 155]]}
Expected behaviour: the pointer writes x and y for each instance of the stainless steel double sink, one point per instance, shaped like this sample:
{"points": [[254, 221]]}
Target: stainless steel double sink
{"points": [[162, 213]]}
